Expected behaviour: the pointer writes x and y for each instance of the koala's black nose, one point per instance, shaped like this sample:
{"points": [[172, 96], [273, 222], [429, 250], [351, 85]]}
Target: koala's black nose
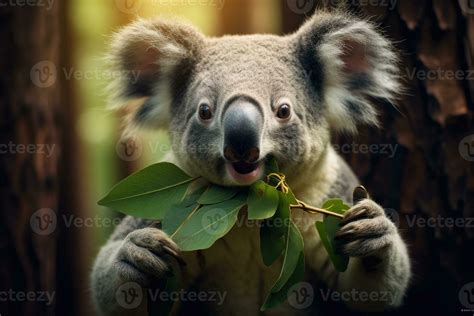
{"points": [[242, 129]]}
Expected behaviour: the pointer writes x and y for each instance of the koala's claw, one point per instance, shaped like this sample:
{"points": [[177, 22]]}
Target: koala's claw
{"points": [[146, 253], [364, 230]]}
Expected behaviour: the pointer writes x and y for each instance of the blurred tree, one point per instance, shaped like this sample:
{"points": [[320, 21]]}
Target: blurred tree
{"points": [[38, 177], [430, 175]]}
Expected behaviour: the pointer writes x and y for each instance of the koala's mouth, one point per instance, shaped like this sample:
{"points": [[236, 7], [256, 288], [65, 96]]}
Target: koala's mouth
{"points": [[244, 173]]}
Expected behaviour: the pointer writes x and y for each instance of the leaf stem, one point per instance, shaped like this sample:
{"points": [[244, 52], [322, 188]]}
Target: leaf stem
{"points": [[314, 210]]}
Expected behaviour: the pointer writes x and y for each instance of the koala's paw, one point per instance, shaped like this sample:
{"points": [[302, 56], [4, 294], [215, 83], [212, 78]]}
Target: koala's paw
{"points": [[365, 230], [145, 254]]}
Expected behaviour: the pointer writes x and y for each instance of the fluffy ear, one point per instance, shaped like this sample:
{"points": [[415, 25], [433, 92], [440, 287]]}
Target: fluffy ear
{"points": [[349, 64], [152, 61]]}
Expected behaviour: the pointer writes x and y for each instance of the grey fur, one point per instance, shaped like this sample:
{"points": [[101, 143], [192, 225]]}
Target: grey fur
{"points": [[328, 89]]}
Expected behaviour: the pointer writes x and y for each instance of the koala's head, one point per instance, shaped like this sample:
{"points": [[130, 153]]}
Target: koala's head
{"points": [[232, 102]]}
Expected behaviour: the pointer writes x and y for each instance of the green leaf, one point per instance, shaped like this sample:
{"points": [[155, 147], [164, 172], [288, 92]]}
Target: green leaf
{"points": [[290, 243], [327, 231], [215, 194], [271, 166], [202, 225], [262, 201], [149, 193], [275, 299], [273, 230]]}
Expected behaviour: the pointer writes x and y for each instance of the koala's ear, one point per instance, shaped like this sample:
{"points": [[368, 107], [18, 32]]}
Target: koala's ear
{"points": [[152, 61], [349, 64]]}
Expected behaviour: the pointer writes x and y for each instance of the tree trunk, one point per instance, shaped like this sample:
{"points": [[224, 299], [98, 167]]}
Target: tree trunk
{"points": [[30, 140]]}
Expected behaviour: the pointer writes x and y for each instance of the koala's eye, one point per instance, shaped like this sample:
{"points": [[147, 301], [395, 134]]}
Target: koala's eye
{"points": [[284, 111], [205, 112]]}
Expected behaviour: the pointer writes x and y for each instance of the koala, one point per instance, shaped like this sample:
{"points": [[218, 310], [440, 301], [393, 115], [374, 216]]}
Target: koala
{"points": [[230, 103]]}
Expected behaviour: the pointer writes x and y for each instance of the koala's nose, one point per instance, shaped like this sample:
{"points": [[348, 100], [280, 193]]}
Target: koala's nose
{"points": [[242, 129]]}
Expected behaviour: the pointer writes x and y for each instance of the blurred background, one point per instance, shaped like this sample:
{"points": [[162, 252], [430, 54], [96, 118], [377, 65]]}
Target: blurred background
{"points": [[60, 150]]}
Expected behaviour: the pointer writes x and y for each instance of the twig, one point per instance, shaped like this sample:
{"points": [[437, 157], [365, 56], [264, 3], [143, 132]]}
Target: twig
{"points": [[314, 210]]}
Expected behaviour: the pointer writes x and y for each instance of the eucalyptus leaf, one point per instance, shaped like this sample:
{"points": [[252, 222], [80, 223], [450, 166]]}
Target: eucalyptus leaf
{"points": [[273, 230], [149, 193], [276, 298], [262, 201], [203, 225], [215, 194], [327, 231]]}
